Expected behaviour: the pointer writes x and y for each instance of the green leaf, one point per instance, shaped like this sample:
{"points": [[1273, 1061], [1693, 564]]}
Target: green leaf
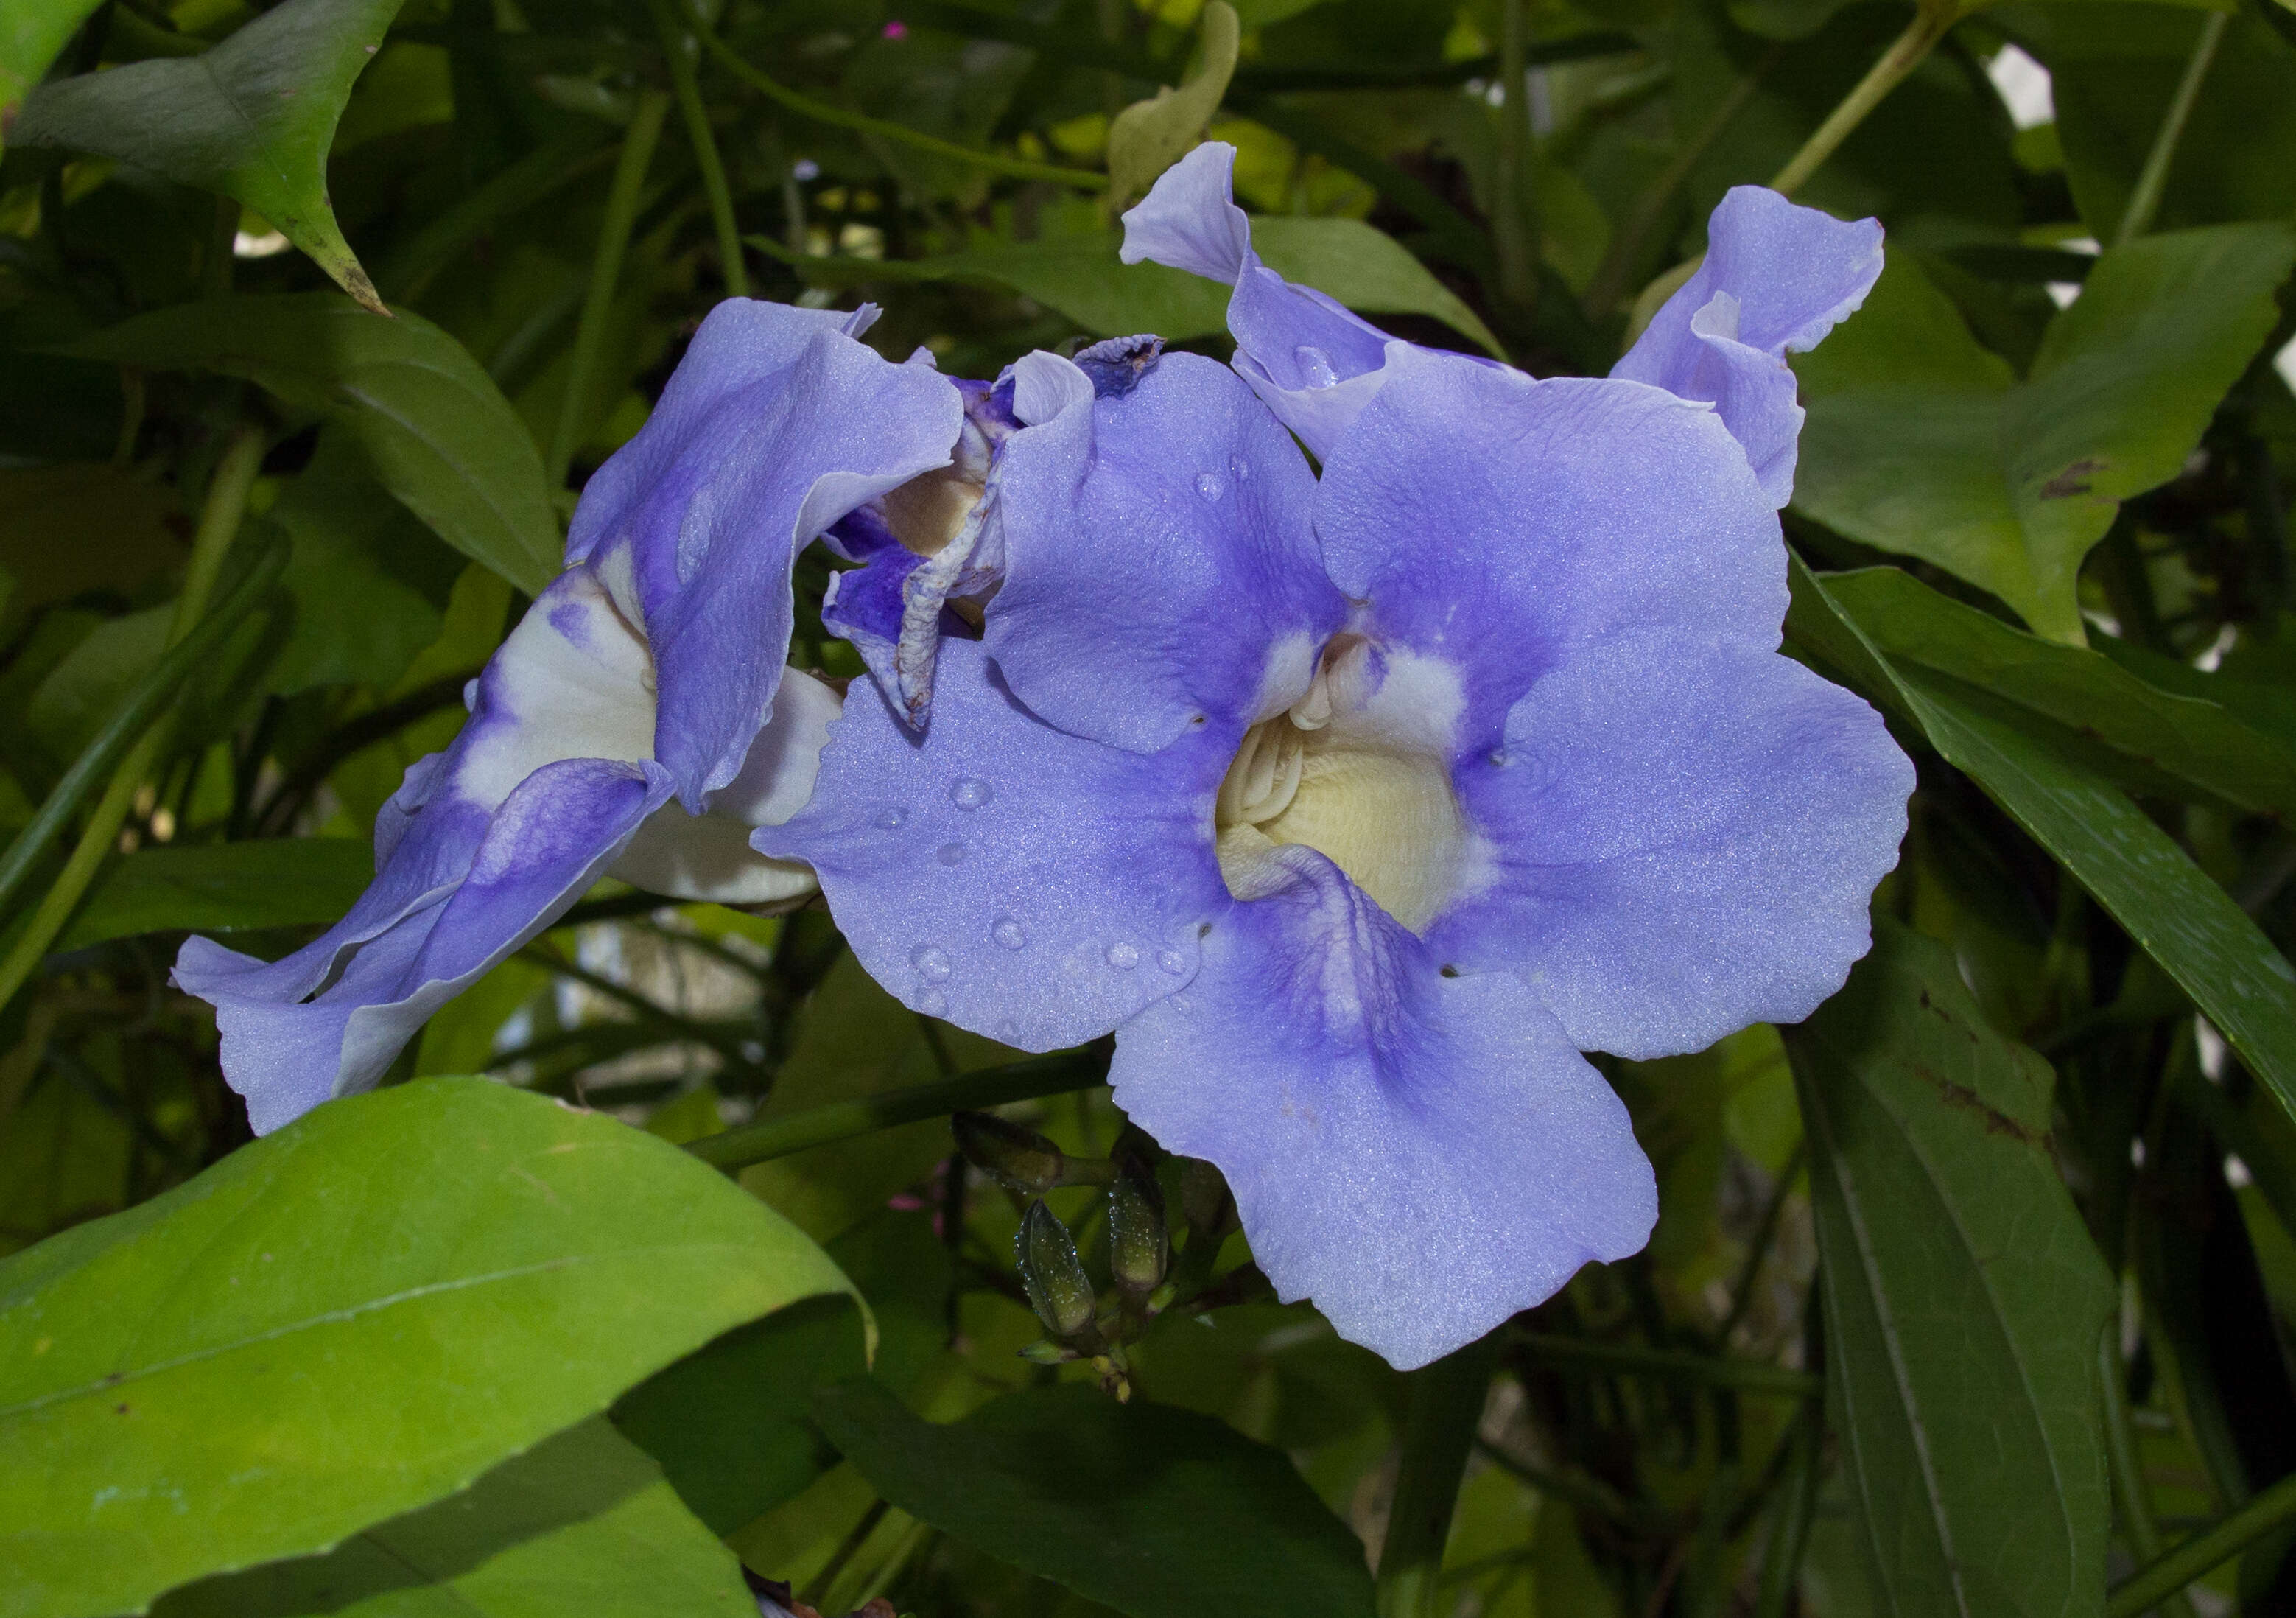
{"points": [[1918, 441], [1148, 137], [349, 1318], [435, 430], [1156, 1512], [64, 1157], [2148, 740], [299, 882], [584, 1523], [2132, 867], [1963, 1299], [251, 118], [32, 33], [1365, 268]]}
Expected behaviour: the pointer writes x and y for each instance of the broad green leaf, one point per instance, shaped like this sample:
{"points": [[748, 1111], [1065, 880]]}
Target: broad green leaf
{"points": [[64, 1157], [583, 1523], [1156, 1512], [1963, 1299], [435, 430], [292, 882], [2132, 867], [1148, 137], [32, 33], [2149, 740], [345, 1320], [251, 118], [1365, 268], [1918, 441]]}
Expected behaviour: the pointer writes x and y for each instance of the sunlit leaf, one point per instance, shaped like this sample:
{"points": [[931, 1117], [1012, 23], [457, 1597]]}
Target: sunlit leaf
{"points": [[32, 32], [1148, 137]]}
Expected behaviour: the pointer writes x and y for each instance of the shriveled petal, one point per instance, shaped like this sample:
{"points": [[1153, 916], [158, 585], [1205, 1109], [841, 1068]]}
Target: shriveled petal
{"points": [[1775, 279], [1422, 1155], [1020, 882], [1157, 551], [548, 841], [1684, 836], [776, 423], [1508, 525]]}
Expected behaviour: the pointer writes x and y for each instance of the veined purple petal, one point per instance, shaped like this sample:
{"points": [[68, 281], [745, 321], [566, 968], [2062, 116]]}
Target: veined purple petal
{"points": [[1157, 551], [1422, 1155], [1775, 279], [1020, 882], [776, 423], [1684, 835]]}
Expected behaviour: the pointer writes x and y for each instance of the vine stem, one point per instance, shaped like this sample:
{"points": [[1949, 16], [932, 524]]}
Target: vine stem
{"points": [[2205, 1550], [219, 519], [680, 39], [1445, 1406], [2152, 179], [1516, 226], [1931, 18], [622, 198], [2136, 1519]]}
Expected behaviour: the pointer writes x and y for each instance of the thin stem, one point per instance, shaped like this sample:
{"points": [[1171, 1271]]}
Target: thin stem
{"points": [[1586, 1493], [2144, 202], [821, 112], [1741, 1295], [2205, 1550], [1516, 226], [1446, 1405], [757, 1143], [2137, 1518], [1746, 1376], [226, 503], [818, 1590], [678, 44], [622, 198], [1931, 18], [1790, 1522]]}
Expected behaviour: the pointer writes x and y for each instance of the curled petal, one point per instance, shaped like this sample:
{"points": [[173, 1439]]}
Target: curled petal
{"points": [[1020, 882], [1775, 279], [1685, 837], [1422, 1155]]}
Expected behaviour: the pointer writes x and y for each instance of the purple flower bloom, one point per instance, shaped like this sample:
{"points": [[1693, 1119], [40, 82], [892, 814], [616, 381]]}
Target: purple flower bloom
{"points": [[1360, 809], [653, 668]]}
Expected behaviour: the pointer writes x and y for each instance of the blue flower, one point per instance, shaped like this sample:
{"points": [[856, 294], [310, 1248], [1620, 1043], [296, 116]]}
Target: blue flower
{"points": [[1359, 808], [652, 670]]}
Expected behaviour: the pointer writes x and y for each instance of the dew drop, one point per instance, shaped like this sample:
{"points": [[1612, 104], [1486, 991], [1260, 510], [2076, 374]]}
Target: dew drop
{"points": [[950, 853], [1123, 957], [933, 1003], [1010, 933], [1172, 961], [970, 793], [1237, 464], [1316, 366], [931, 962], [1008, 1031], [1207, 484], [887, 819]]}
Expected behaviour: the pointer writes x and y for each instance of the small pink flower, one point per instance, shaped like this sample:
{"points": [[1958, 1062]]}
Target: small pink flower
{"points": [[897, 29]]}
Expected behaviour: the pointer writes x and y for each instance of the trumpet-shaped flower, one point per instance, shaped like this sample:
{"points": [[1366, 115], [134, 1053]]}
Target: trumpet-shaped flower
{"points": [[1360, 809], [651, 670]]}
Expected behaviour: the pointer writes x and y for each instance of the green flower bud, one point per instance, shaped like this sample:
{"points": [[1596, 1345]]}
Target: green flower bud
{"points": [[1009, 1154], [1059, 1290], [1139, 1247], [1205, 1199]]}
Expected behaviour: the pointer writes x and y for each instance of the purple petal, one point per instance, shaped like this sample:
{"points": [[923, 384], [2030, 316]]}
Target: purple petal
{"points": [[776, 423], [1775, 279], [1157, 552], [1684, 836], [1422, 1155], [1020, 882], [1508, 525]]}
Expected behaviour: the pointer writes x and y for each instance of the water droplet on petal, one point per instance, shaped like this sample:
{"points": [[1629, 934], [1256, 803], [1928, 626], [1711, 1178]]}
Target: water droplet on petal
{"points": [[887, 819], [931, 963], [1010, 933], [933, 1003], [1499, 757], [950, 853], [1207, 484], [1172, 961], [1008, 1031], [1237, 464], [1123, 957], [1316, 366], [970, 793]]}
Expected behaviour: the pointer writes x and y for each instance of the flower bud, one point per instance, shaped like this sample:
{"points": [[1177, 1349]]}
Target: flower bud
{"points": [[1139, 1249], [1205, 1200], [1007, 1153], [1059, 1290]]}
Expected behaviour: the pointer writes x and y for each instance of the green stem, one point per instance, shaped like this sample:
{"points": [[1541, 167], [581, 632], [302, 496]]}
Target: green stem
{"points": [[1746, 1376], [758, 1143], [1790, 1522], [1516, 225], [605, 269], [226, 503], [821, 112], [2144, 202], [2127, 1473], [678, 44], [1741, 1295], [1931, 18], [2205, 1550], [1446, 1405]]}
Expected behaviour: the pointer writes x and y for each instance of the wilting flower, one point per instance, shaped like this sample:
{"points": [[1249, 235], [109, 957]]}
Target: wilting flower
{"points": [[1359, 808], [652, 670]]}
